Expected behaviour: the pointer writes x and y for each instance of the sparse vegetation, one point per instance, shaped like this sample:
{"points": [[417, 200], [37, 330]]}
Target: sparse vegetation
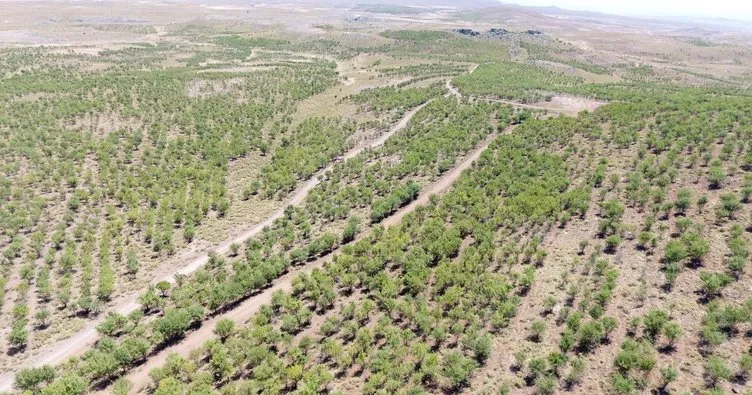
{"points": [[605, 250]]}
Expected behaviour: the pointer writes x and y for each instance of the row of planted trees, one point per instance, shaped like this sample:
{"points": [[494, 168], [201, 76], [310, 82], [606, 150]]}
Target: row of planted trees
{"points": [[301, 235], [677, 166], [414, 281], [101, 168]]}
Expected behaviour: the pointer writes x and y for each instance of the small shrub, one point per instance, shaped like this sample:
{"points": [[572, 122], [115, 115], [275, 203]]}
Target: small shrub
{"points": [[537, 330], [716, 370]]}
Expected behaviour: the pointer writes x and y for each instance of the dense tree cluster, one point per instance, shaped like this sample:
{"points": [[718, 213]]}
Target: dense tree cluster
{"points": [[411, 313], [428, 70], [412, 308], [394, 99], [292, 239], [311, 145], [442, 45], [514, 81], [437, 135], [561, 53], [101, 165]]}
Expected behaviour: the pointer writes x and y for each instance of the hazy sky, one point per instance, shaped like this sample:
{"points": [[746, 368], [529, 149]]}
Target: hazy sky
{"points": [[735, 9]]}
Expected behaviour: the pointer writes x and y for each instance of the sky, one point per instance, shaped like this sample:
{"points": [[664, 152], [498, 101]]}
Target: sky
{"points": [[733, 9]]}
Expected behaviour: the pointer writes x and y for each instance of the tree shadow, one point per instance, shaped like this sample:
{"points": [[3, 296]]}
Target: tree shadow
{"points": [[667, 349], [15, 350]]}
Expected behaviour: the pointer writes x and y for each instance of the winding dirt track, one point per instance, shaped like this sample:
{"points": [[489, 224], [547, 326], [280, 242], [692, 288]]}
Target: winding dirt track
{"points": [[528, 106], [455, 92], [59, 352], [240, 314], [139, 376], [571, 108], [452, 90], [569, 105]]}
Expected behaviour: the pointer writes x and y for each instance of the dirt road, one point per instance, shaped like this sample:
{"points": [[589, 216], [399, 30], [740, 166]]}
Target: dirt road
{"points": [[570, 105], [452, 90], [59, 352], [456, 93], [85, 338], [245, 310]]}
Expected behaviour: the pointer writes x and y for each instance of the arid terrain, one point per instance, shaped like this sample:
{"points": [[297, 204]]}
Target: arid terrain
{"points": [[242, 197]]}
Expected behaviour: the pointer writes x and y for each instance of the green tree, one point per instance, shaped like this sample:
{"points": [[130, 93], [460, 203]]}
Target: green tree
{"points": [[169, 386], [131, 263], [702, 201], [590, 335], [609, 325], [31, 378], [112, 324], [545, 385], [646, 240], [716, 176], [675, 252], [19, 336], [613, 209], [668, 375], [556, 361], [189, 232], [612, 242], [315, 380], [696, 246], [672, 330], [163, 287], [176, 321], [577, 370], [132, 349], [537, 368], [220, 363], [483, 347], [622, 384], [150, 301], [683, 200], [70, 384], [121, 386], [730, 204], [713, 283], [654, 322], [351, 229], [224, 328], [716, 369], [745, 366], [537, 330], [457, 368], [42, 316]]}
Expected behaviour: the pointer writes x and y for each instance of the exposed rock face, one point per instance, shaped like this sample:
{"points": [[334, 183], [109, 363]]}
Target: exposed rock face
{"points": [[467, 32], [497, 31]]}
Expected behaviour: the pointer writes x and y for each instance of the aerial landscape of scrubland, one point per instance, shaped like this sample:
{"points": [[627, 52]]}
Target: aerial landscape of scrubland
{"points": [[380, 197]]}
